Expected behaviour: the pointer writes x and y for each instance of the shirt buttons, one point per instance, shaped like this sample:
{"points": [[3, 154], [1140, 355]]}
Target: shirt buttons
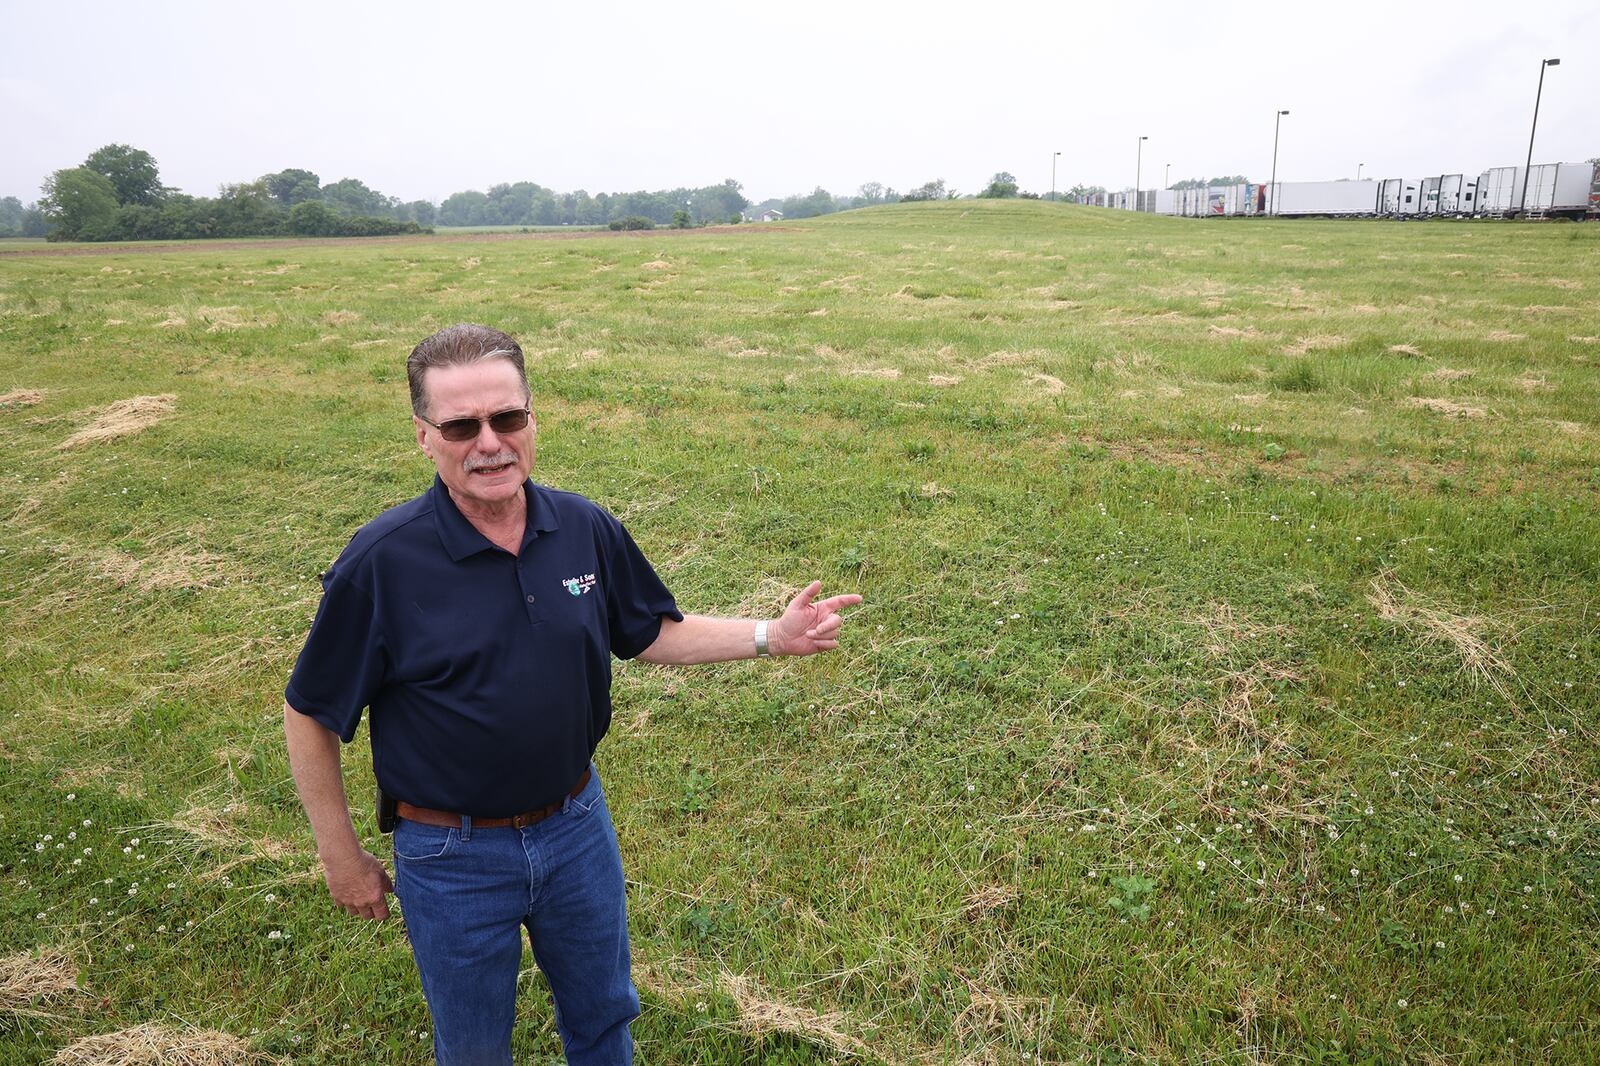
{"points": [[530, 599]]}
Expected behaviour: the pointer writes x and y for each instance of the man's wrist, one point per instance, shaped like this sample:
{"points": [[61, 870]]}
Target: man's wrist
{"points": [[763, 642]]}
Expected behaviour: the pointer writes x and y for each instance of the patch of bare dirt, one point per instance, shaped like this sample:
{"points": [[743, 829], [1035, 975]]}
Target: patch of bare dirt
{"points": [[121, 419]]}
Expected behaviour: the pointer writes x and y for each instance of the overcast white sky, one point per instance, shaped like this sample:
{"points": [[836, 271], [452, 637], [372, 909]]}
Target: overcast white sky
{"points": [[422, 100]]}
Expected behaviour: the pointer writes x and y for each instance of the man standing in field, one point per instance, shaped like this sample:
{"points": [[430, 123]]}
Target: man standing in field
{"points": [[477, 622]]}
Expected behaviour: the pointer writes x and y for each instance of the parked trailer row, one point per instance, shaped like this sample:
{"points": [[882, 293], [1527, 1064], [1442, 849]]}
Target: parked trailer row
{"points": [[1570, 190]]}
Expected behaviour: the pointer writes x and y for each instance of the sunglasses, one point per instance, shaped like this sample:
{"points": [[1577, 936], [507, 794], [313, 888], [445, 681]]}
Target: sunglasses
{"points": [[460, 429]]}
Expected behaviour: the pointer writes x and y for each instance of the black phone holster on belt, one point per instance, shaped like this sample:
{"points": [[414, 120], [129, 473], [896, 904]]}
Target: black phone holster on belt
{"points": [[386, 814]]}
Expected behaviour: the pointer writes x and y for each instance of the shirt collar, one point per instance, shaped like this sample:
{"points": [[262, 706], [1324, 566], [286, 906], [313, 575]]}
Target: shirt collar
{"points": [[461, 538]]}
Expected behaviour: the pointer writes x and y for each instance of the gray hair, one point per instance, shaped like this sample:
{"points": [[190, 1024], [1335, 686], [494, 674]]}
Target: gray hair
{"points": [[460, 345]]}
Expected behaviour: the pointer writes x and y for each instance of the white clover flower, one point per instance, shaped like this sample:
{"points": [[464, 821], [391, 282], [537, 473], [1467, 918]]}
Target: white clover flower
{"points": [[1401, 1003], [1200, 864], [1458, 879]]}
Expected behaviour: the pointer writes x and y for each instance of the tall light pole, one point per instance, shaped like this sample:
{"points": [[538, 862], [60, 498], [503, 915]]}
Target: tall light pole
{"points": [[1053, 176], [1527, 171], [1277, 120], [1138, 167], [1166, 182], [1358, 170]]}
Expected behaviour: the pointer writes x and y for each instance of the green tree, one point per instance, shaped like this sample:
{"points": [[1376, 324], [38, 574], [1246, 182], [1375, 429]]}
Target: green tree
{"points": [[1003, 186], [313, 218], [933, 190], [681, 219], [293, 186], [131, 171], [351, 196], [79, 204], [19, 221], [818, 202]]}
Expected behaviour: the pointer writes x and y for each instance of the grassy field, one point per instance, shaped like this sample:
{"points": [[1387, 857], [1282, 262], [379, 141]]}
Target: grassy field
{"points": [[1225, 689]]}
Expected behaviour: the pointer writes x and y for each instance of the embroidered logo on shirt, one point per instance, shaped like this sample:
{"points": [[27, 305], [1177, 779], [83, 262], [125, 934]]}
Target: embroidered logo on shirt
{"points": [[579, 585]]}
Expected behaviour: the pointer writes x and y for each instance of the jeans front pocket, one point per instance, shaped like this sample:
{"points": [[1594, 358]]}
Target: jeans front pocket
{"points": [[416, 842]]}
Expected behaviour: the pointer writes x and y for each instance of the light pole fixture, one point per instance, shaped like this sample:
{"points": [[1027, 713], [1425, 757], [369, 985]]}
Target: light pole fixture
{"points": [[1527, 170], [1358, 170], [1277, 120], [1138, 168], [1053, 176]]}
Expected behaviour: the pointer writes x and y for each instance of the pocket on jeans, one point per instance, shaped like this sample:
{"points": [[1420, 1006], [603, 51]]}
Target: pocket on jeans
{"points": [[591, 797], [415, 842]]}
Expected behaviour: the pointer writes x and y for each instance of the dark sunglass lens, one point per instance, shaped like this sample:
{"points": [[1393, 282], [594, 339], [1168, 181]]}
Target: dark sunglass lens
{"points": [[508, 421], [459, 429]]}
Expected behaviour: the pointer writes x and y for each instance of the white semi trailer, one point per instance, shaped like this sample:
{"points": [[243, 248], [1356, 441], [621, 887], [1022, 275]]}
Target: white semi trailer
{"points": [[1560, 189], [1499, 192], [1330, 198]]}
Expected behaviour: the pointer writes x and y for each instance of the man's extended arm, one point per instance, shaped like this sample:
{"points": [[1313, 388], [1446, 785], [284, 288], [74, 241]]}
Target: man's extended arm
{"points": [[806, 627], [356, 879]]}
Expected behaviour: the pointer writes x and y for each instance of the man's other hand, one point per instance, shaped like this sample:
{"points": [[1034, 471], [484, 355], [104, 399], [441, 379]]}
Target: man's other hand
{"points": [[810, 625], [358, 883]]}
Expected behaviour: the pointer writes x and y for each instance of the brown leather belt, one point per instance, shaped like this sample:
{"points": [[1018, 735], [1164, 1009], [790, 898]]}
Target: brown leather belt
{"points": [[452, 820]]}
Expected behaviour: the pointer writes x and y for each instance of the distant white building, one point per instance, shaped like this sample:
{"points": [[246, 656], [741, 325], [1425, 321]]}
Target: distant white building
{"points": [[771, 214]]}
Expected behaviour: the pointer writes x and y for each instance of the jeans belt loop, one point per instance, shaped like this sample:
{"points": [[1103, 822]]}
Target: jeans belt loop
{"points": [[466, 827]]}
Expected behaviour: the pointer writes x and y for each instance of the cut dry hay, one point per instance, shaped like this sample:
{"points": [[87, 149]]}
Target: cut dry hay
{"points": [[887, 373], [759, 1016], [1405, 349], [341, 318], [1316, 342], [31, 980], [122, 419], [157, 1045], [1445, 373], [20, 398], [656, 264], [180, 568], [1462, 633], [1232, 331], [944, 380], [1445, 407], [981, 902], [1047, 385]]}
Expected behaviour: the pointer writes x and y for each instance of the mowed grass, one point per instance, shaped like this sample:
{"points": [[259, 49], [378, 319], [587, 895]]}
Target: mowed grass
{"points": [[1225, 688]]}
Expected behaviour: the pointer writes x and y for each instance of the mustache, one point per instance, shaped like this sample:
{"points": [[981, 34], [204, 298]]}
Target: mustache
{"points": [[479, 462]]}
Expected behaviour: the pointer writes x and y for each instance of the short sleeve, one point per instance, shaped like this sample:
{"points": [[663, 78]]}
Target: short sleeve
{"points": [[636, 600], [342, 665]]}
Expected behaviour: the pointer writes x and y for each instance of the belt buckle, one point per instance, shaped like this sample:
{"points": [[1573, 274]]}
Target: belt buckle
{"points": [[522, 821]]}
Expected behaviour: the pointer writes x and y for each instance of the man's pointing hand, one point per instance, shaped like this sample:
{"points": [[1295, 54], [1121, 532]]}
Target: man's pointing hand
{"points": [[810, 625]]}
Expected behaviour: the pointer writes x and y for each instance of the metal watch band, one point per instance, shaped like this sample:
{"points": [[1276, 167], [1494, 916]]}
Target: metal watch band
{"points": [[762, 649]]}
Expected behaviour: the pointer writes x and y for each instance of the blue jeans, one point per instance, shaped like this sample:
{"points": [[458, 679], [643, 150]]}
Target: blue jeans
{"points": [[466, 895]]}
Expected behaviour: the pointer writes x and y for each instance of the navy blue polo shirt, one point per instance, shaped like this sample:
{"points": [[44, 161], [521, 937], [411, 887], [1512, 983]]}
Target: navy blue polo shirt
{"points": [[488, 674]]}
